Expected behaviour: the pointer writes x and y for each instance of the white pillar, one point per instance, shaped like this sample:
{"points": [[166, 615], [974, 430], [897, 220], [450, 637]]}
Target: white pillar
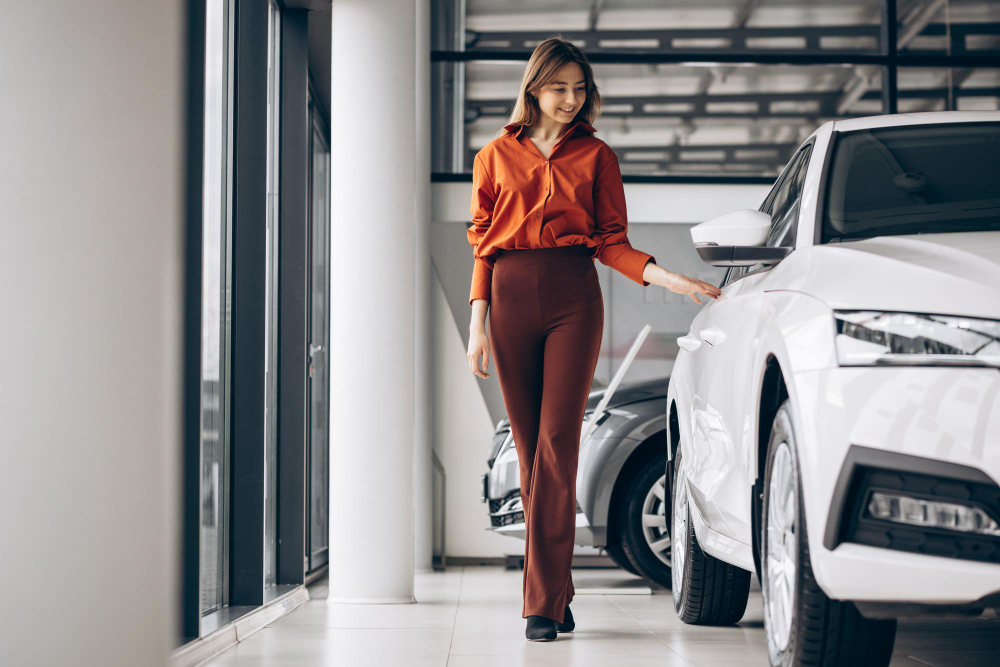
{"points": [[373, 171], [423, 471], [91, 275]]}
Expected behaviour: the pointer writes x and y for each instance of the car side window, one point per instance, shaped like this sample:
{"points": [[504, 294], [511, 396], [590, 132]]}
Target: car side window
{"points": [[784, 207], [785, 215], [782, 204]]}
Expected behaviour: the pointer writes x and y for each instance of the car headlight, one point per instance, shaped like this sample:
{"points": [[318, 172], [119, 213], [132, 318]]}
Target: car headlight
{"points": [[867, 337], [507, 453]]}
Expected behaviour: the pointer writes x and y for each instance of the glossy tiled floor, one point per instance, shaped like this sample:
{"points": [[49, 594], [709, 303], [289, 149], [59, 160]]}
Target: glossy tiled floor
{"points": [[471, 617]]}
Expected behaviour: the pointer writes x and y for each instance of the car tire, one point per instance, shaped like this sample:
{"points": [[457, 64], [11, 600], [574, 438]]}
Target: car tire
{"points": [[802, 625], [617, 554], [706, 590], [642, 522]]}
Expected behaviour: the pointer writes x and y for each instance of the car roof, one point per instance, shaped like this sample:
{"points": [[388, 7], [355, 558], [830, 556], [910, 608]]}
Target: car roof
{"points": [[917, 118]]}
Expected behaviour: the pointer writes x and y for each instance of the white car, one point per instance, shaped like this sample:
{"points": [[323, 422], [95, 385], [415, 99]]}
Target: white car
{"points": [[835, 414]]}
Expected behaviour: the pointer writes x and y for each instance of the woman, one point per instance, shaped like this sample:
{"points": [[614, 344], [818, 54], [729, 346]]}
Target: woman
{"points": [[547, 198]]}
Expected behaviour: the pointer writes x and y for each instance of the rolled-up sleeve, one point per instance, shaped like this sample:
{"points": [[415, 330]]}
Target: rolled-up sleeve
{"points": [[483, 201], [611, 224]]}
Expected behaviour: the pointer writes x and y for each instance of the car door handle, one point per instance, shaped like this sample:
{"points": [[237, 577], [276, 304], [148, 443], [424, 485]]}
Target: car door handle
{"points": [[712, 335], [689, 343]]}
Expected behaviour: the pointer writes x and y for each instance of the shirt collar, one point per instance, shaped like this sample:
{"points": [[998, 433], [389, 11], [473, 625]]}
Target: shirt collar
{"points": [[578, 123]]}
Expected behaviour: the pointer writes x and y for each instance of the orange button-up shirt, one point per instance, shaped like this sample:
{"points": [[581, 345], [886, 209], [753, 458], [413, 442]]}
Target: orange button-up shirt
{"points": [[521, 199]]}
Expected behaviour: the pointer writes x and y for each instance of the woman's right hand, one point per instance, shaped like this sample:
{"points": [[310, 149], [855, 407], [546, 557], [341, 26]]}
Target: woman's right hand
{"points": [[479, 346], [682, 284]]}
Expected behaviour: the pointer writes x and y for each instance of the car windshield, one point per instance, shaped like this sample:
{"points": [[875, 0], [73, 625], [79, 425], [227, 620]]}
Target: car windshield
{"points": [[915, 179]]}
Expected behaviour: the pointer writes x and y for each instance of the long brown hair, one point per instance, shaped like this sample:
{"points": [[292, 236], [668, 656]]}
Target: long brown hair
{"points": [[550, 55]]}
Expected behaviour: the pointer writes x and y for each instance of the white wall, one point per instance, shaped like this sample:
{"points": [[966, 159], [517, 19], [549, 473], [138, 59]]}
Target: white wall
{"points": [[91, 169], [646, 202], [462, 433], [462, 424]]}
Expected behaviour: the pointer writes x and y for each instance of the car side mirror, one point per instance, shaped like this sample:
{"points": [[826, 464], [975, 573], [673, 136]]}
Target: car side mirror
{"points": [[736, 239]]}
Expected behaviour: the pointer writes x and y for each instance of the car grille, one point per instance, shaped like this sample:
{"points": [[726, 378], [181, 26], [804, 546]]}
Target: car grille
{"points": [[505, 519]]}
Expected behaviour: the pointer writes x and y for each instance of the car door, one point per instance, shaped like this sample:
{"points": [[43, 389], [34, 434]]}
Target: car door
{"points": [[723, 406]]}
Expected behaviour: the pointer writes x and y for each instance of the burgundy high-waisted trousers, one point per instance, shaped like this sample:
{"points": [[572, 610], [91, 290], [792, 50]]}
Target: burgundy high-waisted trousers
{"points": [[546, 323]]}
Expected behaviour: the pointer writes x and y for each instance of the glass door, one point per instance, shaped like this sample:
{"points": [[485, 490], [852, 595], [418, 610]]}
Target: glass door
{"points": [[318, 452], [271, 296], [216, 307]]}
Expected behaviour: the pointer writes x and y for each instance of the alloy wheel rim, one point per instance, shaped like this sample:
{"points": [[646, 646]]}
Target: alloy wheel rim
{"points": [[654, 520], [678, 529], [782, 556]]}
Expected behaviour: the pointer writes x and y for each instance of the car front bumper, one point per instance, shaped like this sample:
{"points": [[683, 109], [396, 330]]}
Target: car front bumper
{"points": [[936, 426], [584, 535], [507, 514]]}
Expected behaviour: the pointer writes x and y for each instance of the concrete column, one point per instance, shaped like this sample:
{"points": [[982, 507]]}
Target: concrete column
{"points": [[91, 277], [423, 471], [372, 319]]}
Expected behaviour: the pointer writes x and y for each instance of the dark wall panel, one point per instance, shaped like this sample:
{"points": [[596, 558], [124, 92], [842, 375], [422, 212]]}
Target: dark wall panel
{"points": [[292, 325], [249, 306]]}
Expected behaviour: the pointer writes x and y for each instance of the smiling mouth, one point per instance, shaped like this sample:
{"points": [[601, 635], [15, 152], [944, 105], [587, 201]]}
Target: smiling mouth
{"points": [[564, 111]]}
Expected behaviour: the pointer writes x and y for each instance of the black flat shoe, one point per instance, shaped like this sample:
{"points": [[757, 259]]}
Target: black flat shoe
{"points": [[568, 624], [540, 629]]}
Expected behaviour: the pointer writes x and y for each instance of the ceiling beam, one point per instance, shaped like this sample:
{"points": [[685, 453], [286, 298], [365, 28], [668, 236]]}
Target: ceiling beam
{"points": [[594, 14], [744, 12], [917, 21]]}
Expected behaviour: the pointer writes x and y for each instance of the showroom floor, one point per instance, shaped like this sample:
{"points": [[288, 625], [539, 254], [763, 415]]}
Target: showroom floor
{"points": [[471, 617]]}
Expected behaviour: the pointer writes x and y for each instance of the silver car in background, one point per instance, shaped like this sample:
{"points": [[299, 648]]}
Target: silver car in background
{"points": [[620, 480]]}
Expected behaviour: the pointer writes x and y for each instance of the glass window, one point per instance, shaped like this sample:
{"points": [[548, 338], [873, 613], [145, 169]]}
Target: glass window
{"points": [[785, 207], [949, 89], [731, 275], [271, 296], [319, 343], [693, 116], [692, 119], [913, 180], [666, 116], [952, 27], [762, 26], [216, 308]]}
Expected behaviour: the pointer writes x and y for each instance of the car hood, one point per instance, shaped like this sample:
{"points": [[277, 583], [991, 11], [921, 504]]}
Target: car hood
{"points": [[627, 392], [954, 273], [630, 392]]}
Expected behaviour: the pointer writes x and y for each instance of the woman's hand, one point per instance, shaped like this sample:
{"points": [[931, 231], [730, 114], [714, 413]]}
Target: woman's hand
{"points": [[675, 282], [479, 346], [479, 342]]}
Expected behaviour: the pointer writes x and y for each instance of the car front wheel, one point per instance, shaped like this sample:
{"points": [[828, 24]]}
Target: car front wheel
{"points": [[617, 554], [707, 591], [642, 521], [802, 625]]}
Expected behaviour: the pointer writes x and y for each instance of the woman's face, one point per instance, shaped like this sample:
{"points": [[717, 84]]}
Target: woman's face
{"points": [[561, 98]]}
